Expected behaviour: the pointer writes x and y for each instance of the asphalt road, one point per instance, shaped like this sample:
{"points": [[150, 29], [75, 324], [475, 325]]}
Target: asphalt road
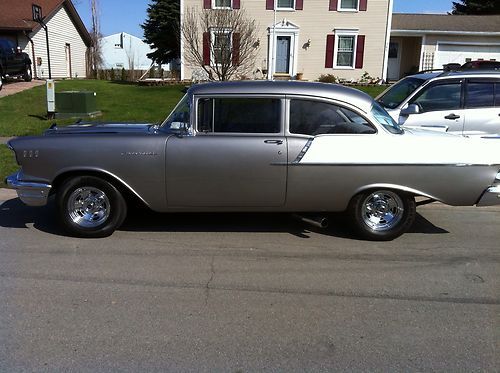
{"points": [[249, 293]]}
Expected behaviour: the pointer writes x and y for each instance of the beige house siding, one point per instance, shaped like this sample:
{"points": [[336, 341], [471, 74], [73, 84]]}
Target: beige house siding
{"points": [[62, 31], [315, 22]]}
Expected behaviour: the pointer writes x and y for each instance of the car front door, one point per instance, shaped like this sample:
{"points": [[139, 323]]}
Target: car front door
{"points": [[482, 103], [237, 158], [440, 107]]}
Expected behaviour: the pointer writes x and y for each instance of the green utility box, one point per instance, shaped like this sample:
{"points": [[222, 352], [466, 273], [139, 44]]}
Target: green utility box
{"points": [[74, 104]]}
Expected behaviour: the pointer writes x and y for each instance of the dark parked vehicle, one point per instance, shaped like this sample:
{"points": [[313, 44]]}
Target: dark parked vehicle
{"points": [[481, 64], [13, 62]]}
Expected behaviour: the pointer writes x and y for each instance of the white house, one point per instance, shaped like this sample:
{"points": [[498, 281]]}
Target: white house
{"points": [[126, 51], [68, 37]]}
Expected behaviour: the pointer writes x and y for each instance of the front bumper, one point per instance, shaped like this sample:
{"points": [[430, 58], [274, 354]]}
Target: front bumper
{"points": [[490, 197], [31, 193]]}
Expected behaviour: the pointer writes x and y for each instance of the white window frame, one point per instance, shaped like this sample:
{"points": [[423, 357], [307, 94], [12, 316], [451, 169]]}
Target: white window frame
{"points": [[286, 9], [214, 6], [338, 34], [213, 32], [340, 9]]}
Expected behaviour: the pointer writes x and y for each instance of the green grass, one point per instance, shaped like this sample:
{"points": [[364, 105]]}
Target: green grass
{"points": [[372, 90], [23, 113], [7, 164]]}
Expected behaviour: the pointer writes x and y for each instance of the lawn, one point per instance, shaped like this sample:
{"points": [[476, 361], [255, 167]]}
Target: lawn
{"points": [[23, 114]]}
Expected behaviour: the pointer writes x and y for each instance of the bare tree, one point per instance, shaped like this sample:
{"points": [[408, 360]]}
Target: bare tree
{"points": [[95, 53], [222, 42]]}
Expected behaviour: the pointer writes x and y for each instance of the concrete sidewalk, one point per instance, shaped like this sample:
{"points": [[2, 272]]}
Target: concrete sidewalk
{"points": [[3, 140], [16, 87], [7, 194]]}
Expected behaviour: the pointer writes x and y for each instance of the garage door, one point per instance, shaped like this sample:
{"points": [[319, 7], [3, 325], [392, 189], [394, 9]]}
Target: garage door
{"points": [[458, 53]]}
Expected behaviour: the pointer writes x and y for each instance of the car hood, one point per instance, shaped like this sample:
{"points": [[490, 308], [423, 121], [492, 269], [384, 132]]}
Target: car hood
{"points": [[99, 128]]}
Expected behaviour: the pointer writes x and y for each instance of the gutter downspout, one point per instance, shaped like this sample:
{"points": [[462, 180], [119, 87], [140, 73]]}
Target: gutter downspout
{"points": [[387, 41], [181, 16]]}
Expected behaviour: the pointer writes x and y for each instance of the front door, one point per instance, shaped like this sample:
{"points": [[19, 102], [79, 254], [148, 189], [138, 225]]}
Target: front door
{"points": [[283, 54], [394, 61], [236, 159]]}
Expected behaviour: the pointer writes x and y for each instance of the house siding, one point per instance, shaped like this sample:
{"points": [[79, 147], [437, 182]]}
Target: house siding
{"points": [[315, 22], [62, 31]]}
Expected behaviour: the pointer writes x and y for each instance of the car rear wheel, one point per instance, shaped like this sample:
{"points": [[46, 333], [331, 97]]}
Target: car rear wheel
{"points": [[382, 215], [27, 76], [90, 207]]}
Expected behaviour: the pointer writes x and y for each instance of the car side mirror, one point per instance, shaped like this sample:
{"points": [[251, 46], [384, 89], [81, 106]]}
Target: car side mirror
{"points": [[411, 109]]}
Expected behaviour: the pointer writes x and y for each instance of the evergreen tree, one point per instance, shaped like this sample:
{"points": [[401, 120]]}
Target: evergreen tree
{"points": [[161, 30], [476, 7]]}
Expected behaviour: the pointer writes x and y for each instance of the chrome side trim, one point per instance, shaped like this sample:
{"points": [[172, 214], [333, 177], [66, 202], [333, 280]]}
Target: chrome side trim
{"points": [[31, 193], [490, 197], [395, 164], [303, 151]]}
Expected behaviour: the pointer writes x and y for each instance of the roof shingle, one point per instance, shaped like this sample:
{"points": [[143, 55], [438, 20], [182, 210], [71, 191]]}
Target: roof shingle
{"points": [[445, 22]]}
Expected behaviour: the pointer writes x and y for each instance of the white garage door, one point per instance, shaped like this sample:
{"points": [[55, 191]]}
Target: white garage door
{"points": [[461, 53]]}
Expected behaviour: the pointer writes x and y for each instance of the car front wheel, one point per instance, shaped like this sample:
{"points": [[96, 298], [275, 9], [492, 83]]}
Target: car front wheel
{"points": [[90, 207], [382, 215]]}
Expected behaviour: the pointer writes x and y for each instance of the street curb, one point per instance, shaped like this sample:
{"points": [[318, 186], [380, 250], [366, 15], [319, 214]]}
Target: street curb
{"points": [[6, 194]]}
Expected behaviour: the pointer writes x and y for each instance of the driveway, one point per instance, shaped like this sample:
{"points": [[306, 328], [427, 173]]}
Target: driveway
{"points": [[11, 88]]}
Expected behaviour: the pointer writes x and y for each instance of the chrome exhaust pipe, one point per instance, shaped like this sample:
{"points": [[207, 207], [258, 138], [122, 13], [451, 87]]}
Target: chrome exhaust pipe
{"points": [[316, 221]]}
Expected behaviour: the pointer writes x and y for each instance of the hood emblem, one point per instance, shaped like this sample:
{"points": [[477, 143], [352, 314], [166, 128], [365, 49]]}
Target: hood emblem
{"points": [[139, 154]]}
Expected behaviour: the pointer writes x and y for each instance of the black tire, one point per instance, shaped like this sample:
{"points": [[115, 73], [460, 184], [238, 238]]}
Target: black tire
{"points": [[1, 81], [27, 76], [90, 207], [382, 214]]}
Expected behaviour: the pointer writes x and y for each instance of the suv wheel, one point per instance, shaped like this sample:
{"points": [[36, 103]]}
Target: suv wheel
{"points": [[27, 76], [90, 207]]}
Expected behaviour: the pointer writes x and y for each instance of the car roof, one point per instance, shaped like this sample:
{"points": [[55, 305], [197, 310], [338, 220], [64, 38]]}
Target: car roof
{"points": [[314, 89], [458, 74]]}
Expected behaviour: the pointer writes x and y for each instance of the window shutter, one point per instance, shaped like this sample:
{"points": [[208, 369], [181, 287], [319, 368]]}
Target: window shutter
{"points": [[363, 5], [333, 5], [269, 4], [236, 4], [330, 42], [360, 51], [299, 4], [206, 48], [207, 4], [236, 49]]}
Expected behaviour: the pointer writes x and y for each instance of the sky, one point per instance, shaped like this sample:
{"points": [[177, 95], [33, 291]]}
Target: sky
{"points": [[127, 15]]}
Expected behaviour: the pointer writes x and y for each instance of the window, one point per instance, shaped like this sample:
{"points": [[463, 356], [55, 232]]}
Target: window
{"points": [[221, 48], [480, 94], [445, 96], [221, 4], [348, 5], [239, 115], [395, 95], [346, 46], [497, 94], [285, 4], [318, 118], [178, 120]]}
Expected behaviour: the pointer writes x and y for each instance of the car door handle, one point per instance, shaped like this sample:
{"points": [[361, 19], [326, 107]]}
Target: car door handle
{"points": [[452, 116], [276, 142]]}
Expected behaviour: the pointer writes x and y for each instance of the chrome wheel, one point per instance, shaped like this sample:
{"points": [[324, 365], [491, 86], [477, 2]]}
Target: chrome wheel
{"points": [[382, 210], [88, 207]]}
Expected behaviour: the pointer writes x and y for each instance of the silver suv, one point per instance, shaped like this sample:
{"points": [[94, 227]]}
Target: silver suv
{"points": [[464, 103]]}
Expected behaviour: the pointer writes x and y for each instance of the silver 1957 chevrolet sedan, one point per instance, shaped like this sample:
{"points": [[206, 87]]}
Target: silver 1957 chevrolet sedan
{"points": [[257, 146]]}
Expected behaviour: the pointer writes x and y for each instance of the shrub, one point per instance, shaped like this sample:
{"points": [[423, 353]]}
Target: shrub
{"points": [[327, 78]]}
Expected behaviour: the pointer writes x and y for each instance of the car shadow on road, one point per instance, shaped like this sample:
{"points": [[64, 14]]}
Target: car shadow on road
{"points": [[14, 214]]}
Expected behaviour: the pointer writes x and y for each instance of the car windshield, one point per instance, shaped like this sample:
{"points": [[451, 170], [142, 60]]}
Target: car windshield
{"points": [[178, 120], [383, 118], [396, 94]]}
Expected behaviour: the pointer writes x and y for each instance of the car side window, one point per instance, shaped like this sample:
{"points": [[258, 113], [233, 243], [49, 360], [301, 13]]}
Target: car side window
{"points": [[239, 115], [497, 94], [438, 97], [480, 94], [313, 118]]}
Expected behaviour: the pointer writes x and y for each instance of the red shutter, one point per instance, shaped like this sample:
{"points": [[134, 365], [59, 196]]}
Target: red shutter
{"points": [[206, 48], [362, 5], [299, 4], [360, 51], [330, 42], [236, 49], [236, 4], [269, 4], [333, 4], [207, 4]]}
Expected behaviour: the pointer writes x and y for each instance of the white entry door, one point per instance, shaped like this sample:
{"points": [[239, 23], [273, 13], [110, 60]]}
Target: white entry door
{"points": [[394, 61]]}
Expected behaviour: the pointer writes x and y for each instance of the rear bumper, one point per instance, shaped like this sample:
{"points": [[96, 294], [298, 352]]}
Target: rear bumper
{"points": [[490, 197], [32, 194]]}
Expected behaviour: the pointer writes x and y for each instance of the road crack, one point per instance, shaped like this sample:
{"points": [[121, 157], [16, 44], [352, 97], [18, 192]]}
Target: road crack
{"points": [[212, 274]]}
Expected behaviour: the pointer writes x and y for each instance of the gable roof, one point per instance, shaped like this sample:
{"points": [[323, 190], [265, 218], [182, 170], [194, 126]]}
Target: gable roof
{"points": [[445, 22], [17, 15]]}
